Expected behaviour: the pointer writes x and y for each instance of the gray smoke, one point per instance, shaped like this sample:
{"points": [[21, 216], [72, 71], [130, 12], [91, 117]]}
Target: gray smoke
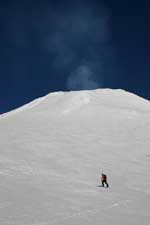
{"points": [[80, 45], [73, 41], [81, 79]]}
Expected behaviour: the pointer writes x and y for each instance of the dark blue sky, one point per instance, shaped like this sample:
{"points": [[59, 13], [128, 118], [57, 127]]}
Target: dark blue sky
{"points": [[48, 46]]}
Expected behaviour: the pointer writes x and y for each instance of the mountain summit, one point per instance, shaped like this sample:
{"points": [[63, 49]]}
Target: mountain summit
{"points": [[54, 149], [77, 99]]}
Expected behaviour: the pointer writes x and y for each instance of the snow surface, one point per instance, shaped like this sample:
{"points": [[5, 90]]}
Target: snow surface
{"points": [[53, 150]]}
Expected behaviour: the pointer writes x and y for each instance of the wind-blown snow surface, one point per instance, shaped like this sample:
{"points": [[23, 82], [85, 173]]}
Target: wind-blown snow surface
{"points": [[53, 150]]}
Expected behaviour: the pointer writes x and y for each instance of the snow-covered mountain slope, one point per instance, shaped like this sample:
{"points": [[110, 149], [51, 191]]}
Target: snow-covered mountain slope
{"points": [[53, 150]]}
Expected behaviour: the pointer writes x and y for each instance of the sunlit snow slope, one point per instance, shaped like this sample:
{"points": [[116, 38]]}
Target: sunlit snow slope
{"points": [[53, 150]]}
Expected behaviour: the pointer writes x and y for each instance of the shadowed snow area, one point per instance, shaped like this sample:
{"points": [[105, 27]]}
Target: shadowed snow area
{"points": [[53, 150]]}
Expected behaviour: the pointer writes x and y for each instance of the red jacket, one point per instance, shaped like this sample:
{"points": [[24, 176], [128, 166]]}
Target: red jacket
{"points": [[103, 177]]}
